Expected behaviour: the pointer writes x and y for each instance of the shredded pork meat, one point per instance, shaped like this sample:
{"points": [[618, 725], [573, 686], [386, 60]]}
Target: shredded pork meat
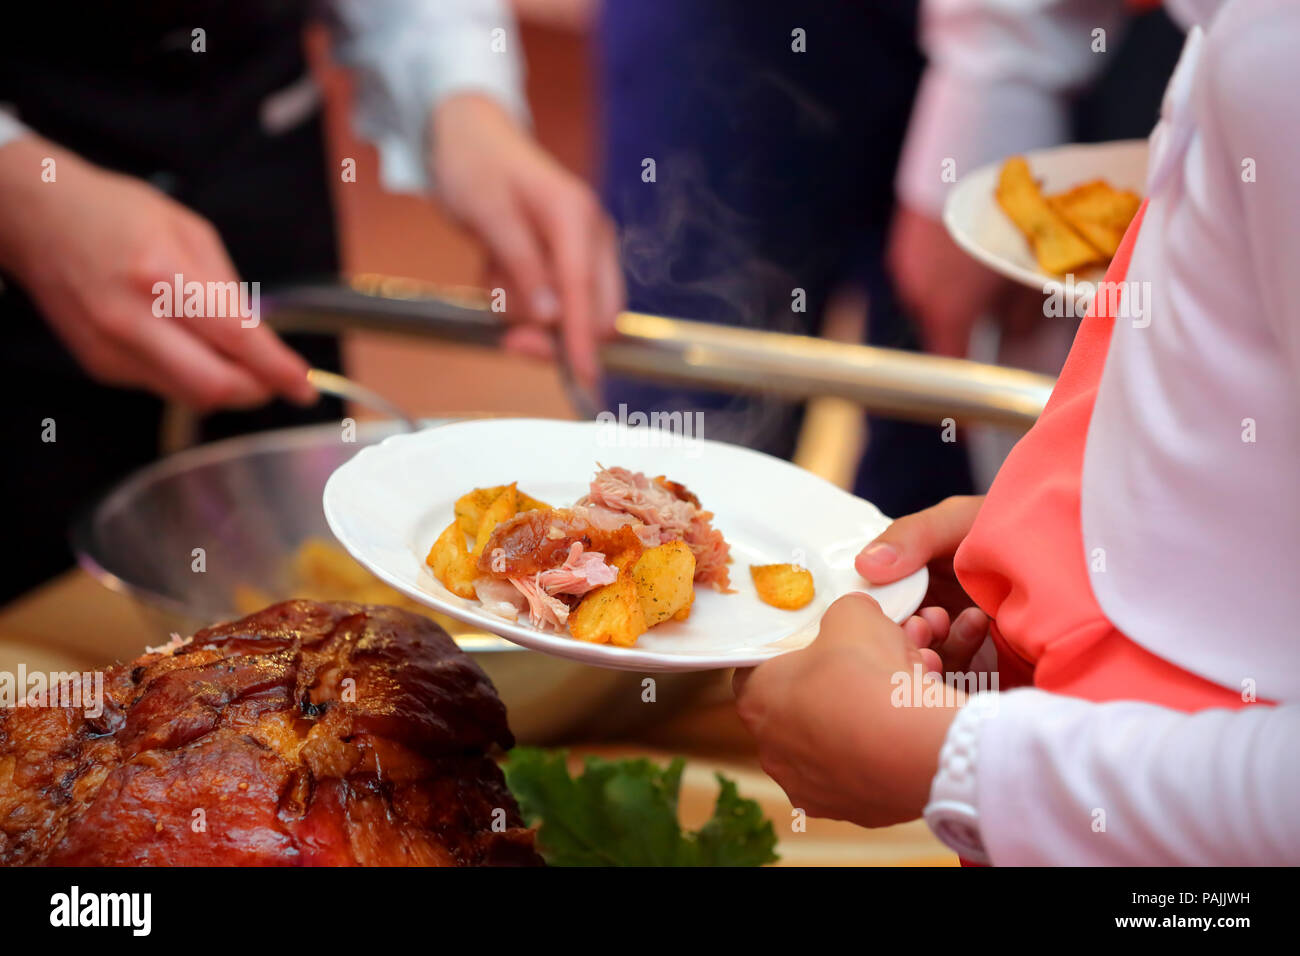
{"points": [[543, 592], [541, 561], [666, 511]]}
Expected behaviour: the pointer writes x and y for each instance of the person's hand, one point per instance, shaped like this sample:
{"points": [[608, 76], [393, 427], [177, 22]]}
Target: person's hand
{"points": [[946, 290], [833, 722], [927, 538], [89, 247], [948, 629], [947, 646], [543, 228]]}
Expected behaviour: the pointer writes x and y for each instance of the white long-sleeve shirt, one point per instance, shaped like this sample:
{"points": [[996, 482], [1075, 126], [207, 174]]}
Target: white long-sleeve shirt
{"points": [[408, 55], [1196, 512], [1067, 782], [999, 79]]}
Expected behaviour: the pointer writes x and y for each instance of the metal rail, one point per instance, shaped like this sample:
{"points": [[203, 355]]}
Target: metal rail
{"points": [[890, 381]]}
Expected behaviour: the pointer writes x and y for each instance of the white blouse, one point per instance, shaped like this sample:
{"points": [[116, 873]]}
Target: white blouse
{"points": [[1189, 491]]}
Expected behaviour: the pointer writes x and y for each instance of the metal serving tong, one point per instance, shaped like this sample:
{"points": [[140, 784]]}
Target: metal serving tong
{"points": [[889, 381], [331, 383]]}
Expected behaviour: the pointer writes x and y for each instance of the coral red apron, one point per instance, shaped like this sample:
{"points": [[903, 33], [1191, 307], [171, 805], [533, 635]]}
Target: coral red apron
{"points": [[1024, 563]]}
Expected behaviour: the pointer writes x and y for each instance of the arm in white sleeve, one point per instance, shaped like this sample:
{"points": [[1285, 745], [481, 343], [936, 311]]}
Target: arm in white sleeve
{"points": [[408, 55], [997, 83], [1062, 781], [1250, 73]]}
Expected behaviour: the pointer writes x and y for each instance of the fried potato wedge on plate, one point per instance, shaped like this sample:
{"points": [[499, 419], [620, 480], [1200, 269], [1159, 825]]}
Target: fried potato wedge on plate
{"points": [[665, 582], [610, 614], [786, 586], [502, 508], [470, 506], [452, 564], [1056, 245], [1098, 211]]}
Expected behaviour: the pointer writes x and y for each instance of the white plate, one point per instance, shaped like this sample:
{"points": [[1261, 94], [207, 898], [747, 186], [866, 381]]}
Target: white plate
{"points": [[977, 223], [389, 502]]}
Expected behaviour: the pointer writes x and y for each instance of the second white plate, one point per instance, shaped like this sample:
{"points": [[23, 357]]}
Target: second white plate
{"points": [[977, 223]]}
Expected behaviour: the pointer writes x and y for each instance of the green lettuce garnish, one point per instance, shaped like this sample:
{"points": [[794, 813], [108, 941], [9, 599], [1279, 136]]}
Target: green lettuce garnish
{"points": [[624, 813]]}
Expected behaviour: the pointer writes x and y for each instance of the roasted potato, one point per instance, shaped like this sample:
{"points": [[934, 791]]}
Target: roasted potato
{"points": [[470, 507], [665, 582], [329, 568], [505, 505], [1098, 211], [610, 614], [786, 586], [452, 564], [529, 503], [1056, 245]]}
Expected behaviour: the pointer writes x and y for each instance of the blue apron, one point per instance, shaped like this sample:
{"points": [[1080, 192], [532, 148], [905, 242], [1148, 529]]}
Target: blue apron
{"points": [[773, 172]]}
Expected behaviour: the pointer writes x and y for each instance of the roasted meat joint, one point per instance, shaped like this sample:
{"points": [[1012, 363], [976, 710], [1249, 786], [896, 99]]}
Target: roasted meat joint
{"points": [[306, 734]]}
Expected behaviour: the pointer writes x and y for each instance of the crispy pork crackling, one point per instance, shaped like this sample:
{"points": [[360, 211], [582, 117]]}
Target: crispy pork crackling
{"points": [[305, 734]]}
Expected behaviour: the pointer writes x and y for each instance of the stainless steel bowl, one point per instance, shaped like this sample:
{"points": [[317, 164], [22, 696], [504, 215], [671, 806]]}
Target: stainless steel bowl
{"points": [[248, 503]]}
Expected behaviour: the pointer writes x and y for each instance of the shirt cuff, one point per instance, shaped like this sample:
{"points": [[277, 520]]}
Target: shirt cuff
{"points": [[479, 69], [401, 81], [952, 812], [961, 123]]}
